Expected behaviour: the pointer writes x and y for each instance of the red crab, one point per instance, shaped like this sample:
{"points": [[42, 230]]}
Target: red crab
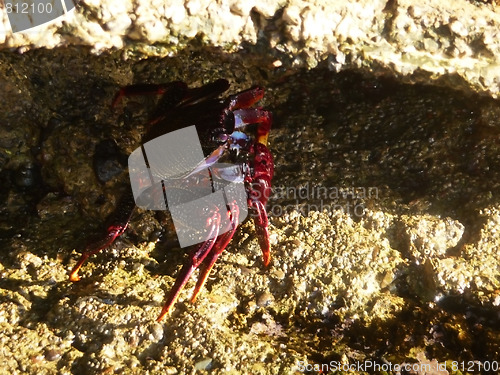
{"points": [[218, 123]]}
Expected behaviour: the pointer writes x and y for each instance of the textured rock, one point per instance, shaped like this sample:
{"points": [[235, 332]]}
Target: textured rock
{"points": [[396, 254], [429, 237], [410, 271], [456, 39]]}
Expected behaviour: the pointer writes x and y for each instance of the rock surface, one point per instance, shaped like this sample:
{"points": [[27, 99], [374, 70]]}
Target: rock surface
{"points": [[384, 225], [385, 215], [456, 40]]}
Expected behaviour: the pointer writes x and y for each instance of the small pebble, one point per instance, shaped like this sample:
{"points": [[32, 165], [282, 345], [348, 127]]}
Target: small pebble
{"points": [[265, 299], [157, 331], [204, 364], [52, 355]]}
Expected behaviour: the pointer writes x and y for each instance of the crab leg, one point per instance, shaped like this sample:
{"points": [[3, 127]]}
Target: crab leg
{"points": [[148, 89], [174, 94], [118, 224], [193, 263], [260, 190], [261, 227], [217, 250], [210, 90]]}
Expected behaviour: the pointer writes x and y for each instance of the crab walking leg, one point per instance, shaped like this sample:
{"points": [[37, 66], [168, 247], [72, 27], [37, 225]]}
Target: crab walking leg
{"points": [[210, 90], [112, 234], [148, 89], [174, 95], [261, 227], [118, 224], [259, 193], [193, 263], [217, 250]]}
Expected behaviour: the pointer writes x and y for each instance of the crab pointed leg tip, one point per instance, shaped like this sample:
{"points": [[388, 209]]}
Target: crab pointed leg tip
{"points": [[165, 311], [196, 291], [73, 276], [267, 260]]}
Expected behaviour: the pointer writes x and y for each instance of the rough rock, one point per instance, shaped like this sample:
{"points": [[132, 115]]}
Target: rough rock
{"points": [[384, 225], [384, 222], [457, 41]]}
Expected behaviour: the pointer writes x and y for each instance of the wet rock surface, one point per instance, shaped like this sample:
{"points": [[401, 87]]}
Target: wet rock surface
{"points": [[384, 224]]}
